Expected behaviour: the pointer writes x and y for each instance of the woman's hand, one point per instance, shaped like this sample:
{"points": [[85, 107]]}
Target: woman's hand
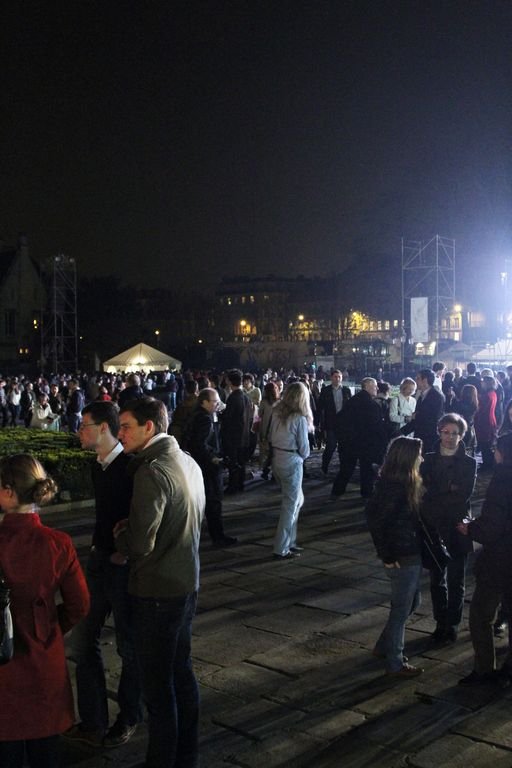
{"points": [[396, 564]]}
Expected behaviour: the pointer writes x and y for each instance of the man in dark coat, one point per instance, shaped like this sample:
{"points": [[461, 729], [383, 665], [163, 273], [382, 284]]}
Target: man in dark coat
{"points": [[330, 403], [363, 439], [203, 444], [429, 409], [236, 431], [107, 578]]}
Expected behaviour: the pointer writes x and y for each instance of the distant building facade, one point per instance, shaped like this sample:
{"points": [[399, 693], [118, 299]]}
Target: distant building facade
{"points": [[21, 298]]}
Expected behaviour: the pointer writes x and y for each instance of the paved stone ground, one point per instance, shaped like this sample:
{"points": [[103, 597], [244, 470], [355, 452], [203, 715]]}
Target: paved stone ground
{"points": [[282, 651]]}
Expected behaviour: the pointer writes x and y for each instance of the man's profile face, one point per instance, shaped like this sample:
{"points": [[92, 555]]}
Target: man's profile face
{"points": [[421, 382], [336, 379], [89, 433], [133, 436]]}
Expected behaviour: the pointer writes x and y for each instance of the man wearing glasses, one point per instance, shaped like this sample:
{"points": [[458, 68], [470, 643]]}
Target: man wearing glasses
{"points": [[107, 578]]}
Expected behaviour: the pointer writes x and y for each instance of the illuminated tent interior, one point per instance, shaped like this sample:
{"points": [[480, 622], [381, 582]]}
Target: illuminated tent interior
{"points": [[141, 357]]}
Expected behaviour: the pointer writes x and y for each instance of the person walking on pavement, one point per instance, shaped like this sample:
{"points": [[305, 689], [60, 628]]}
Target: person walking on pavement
{"points": [[161, 539], [331, 401], [291, 421], [363, 439], [392, 516], [107, 578], [429, 409], [203, 444]]}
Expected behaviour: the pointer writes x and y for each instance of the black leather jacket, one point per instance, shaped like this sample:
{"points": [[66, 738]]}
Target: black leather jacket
{"points": [[394, 527]]}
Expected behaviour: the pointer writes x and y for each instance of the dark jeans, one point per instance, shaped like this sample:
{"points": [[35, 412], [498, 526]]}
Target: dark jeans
{"points": [[347, 466], [108, 587], [73, 420], [331, 444], [447, 589], [163, 631], [41, 753], [14, 411]]}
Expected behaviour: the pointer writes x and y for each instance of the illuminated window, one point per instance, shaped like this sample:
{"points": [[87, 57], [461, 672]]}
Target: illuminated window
{"points": [[243, 299], [251, 299], [395, 323], [379, 325], [387, 325], [265, 297], [229, 301]]}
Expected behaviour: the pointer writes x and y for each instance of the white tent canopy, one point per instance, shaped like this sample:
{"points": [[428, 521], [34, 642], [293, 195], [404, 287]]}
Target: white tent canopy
{"points": [[141, 357], [501, 352]]}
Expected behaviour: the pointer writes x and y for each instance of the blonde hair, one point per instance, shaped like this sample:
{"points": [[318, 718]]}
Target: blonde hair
{"points": [[25, 475], [402, 465], [295, 400]]}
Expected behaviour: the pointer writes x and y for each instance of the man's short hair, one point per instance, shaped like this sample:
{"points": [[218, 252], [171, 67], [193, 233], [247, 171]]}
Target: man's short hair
{"points": [[103, 412], [428, 374], [133, 380], [439, 366], [471, 368], [235, 377], [367, 380], [248, 377], [148, 409], [336, 370], [205, 395]]}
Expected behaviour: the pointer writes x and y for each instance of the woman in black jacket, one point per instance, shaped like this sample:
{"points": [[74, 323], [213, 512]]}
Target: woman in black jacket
{"points": [[493, 529], [449, 476], [392, 515]]}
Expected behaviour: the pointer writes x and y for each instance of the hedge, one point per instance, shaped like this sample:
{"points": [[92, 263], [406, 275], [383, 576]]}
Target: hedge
{"points": [[60, 454]]}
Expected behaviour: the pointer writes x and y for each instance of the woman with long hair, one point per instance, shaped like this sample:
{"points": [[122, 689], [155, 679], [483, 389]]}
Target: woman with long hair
{"points": [[291, 421], [37, 562], [393, 519], [268, 401]]}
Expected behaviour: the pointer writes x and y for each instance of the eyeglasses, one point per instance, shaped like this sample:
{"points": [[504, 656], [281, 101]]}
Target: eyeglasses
{"points": [[449, 434], [86, 426]]}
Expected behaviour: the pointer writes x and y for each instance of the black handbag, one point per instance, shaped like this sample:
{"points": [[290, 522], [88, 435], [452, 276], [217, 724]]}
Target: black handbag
{"points": [[6, 624], [434, 554]]}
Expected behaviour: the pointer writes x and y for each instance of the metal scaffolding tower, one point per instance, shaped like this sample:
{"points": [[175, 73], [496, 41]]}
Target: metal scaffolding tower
{"points": [[59, 336], [428, 270]]}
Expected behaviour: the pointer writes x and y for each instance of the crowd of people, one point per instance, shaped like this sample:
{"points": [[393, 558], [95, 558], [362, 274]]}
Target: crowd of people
{"points": [[168, 447]]}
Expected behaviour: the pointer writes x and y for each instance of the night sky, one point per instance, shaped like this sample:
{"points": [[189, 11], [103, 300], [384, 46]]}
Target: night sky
{"points": [[171, 143]]}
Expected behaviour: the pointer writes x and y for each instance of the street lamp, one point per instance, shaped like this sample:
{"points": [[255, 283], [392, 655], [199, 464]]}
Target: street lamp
{"points": [[157, 334]]}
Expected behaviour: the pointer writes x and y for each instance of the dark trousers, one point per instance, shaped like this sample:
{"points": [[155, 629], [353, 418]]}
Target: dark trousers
{"points": [[108, 587], [14, 411], [447, 589], [163, 631], [213, 487], [237, 458], [348, 464], [331, 444], [483, 611], [41, 753]]}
